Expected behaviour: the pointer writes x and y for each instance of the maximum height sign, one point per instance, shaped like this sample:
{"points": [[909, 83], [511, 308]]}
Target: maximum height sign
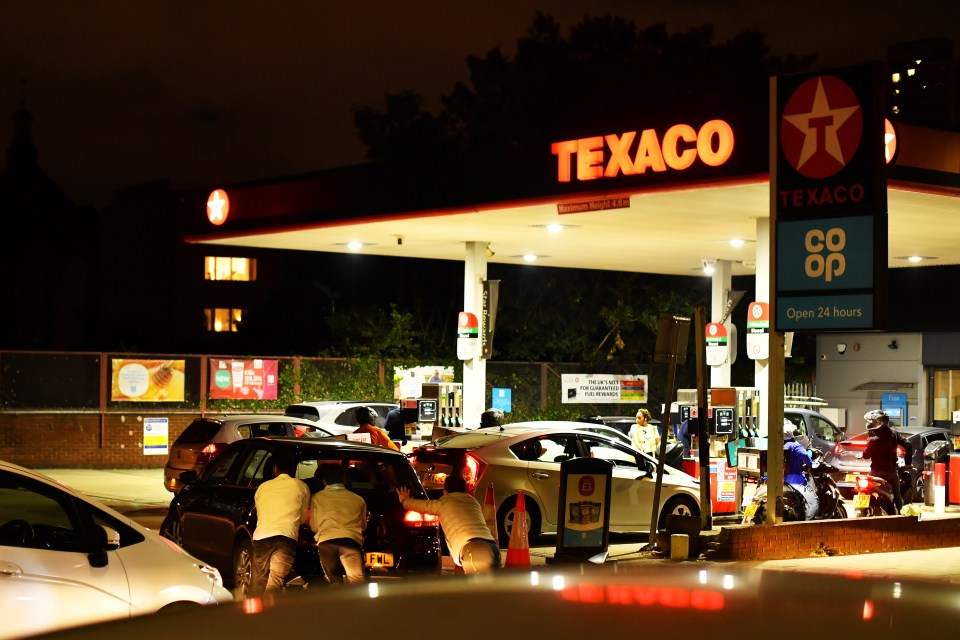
{"points": [[829, 200]]}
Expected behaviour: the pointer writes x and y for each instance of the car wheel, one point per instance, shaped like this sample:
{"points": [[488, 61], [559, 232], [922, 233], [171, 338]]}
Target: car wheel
{"points": [[243, 568], [506, 514], [172, 529], [678, 506]]}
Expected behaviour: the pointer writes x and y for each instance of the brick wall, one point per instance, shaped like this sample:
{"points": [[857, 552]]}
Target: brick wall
{"points": [[62, 440], [834, 537]]}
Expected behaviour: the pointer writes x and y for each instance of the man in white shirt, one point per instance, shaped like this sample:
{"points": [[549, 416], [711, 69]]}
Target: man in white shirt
{"points": [[471, 544], [282, 505], [339, 517]]}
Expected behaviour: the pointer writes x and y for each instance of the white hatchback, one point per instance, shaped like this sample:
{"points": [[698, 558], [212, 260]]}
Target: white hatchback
{"points": [[67, 560]]}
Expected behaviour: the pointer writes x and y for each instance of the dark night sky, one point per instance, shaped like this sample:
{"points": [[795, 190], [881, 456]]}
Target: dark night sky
{"points": [[205, 92]]}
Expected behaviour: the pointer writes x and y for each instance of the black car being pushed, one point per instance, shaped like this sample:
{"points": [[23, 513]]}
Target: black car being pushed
{"points": [[213, 516]]}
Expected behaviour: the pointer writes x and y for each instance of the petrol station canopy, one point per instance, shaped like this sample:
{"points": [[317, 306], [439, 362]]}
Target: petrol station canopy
{"points": [[675, 198]]}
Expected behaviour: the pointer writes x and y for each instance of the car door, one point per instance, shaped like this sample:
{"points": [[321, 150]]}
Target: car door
{"points": [[543, 468], [632, 483], [210, 512], [46, 578]]}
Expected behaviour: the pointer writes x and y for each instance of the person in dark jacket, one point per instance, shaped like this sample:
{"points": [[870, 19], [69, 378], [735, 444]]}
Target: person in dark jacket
{"points": [[795, 461], [881, 450]]}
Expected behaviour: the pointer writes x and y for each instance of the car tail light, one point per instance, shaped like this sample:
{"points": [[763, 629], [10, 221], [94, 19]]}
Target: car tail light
{"points": [[412, 459], [417, 519], [838, 449], [901, 451], [473, 468], [208, 452], [863, 483]]}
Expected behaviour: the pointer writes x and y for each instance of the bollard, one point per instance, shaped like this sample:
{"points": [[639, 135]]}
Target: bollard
{"points": [[939, 487], [679, 546]]}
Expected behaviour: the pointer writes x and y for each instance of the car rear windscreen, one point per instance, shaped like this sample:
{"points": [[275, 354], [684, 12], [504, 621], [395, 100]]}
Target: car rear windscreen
{"points": [[198, 431]]}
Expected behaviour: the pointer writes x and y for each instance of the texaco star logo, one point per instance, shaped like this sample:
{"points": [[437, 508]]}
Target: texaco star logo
{"points": [[218, 207], [821, 127]]}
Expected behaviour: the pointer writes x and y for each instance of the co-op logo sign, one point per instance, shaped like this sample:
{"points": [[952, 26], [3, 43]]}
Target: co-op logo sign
{"points": [[825, 259]]}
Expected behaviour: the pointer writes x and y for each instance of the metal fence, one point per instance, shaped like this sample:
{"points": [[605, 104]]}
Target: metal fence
{"points": [[80, 382]]}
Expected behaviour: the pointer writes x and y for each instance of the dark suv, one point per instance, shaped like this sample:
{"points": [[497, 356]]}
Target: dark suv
{"points": [[213, 516]]}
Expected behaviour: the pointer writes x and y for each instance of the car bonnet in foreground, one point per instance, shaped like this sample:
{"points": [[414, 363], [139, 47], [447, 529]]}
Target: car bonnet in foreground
{"points": [[664, 601]]}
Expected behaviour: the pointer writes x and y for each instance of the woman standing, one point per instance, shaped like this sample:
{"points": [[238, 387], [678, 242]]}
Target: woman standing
{"points": [[644, 436]]}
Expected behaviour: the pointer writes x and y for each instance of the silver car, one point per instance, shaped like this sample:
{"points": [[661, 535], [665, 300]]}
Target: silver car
{"points": [[205, 437], [67, 560], [527, 456]]}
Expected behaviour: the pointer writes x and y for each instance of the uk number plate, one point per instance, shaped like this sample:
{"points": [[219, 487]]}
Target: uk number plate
{"points": [[436, 479], [377, 559], [861, 501], [850, 477]]}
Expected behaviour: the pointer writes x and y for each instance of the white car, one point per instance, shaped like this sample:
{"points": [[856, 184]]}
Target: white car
{"points": [[67, 560], [339, 416], [527, 456]]}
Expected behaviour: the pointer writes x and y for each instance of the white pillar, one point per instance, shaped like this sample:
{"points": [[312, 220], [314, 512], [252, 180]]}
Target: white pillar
{"points": [[721, 283], [474, 370], [760, 371]]}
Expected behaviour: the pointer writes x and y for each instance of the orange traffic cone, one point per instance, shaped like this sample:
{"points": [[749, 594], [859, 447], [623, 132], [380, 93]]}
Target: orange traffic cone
{"points": [[518, 552], [490, 512]]}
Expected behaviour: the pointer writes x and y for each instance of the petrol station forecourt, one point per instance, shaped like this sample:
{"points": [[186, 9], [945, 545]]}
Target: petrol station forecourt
{"points": [[683, 188]]}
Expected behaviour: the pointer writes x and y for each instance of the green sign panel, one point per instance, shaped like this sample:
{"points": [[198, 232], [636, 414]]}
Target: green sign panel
{"points": [[825, 253]]}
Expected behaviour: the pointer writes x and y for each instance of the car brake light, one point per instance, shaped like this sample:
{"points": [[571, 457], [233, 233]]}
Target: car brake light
{"points": [[417, 519], [208, 452], [900, 451], [863, 483], [473, 468]]}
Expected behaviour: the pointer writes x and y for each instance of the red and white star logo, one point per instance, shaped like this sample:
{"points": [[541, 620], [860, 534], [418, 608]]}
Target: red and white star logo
{"points": [[821, 127], [218, 207]]}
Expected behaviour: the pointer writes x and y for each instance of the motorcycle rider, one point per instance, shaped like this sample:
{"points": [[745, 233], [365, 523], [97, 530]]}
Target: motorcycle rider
{"points": [[881, 450], [795, 460]]}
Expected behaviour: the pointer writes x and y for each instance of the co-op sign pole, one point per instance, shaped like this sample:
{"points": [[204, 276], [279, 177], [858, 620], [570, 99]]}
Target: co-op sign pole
{"points": [[828, 210]]}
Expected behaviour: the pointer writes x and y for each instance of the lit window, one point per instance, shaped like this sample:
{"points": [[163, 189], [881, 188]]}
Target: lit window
{"points": [[911, 72], [896, 77], [895, 109], [218, 320], [223, 268]]}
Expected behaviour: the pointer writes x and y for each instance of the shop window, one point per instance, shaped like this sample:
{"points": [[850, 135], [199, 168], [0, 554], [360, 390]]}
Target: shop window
{"points": [[224, 268], [223, 319], [946, 394]]}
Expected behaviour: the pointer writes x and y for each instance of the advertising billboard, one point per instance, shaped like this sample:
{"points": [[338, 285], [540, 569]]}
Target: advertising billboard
{"points": [[603, 388], [147, 380], [243, 379]]}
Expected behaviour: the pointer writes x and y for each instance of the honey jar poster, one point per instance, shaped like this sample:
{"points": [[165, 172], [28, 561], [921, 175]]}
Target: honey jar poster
{"points": [[147, 380]]}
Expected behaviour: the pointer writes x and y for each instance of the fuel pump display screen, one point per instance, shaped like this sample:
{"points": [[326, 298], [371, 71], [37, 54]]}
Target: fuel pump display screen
{"points": [[723, 419], [428, 410]]}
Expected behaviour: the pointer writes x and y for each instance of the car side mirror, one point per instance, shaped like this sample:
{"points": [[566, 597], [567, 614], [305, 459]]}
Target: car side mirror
{"points": [[102, 539]]}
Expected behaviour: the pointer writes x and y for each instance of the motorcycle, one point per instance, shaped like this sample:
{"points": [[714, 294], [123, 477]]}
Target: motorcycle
{"points": [[873, 497], [755, 511], [794, 504], [831, 502]]}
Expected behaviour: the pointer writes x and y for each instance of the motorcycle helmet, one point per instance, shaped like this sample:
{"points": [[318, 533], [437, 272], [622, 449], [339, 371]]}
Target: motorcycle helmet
{"points": [[876, 418], [788, 428]]}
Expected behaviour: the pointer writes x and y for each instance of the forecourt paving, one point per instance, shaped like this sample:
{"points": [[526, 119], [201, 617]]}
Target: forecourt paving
{"points": [[140, 494]]}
